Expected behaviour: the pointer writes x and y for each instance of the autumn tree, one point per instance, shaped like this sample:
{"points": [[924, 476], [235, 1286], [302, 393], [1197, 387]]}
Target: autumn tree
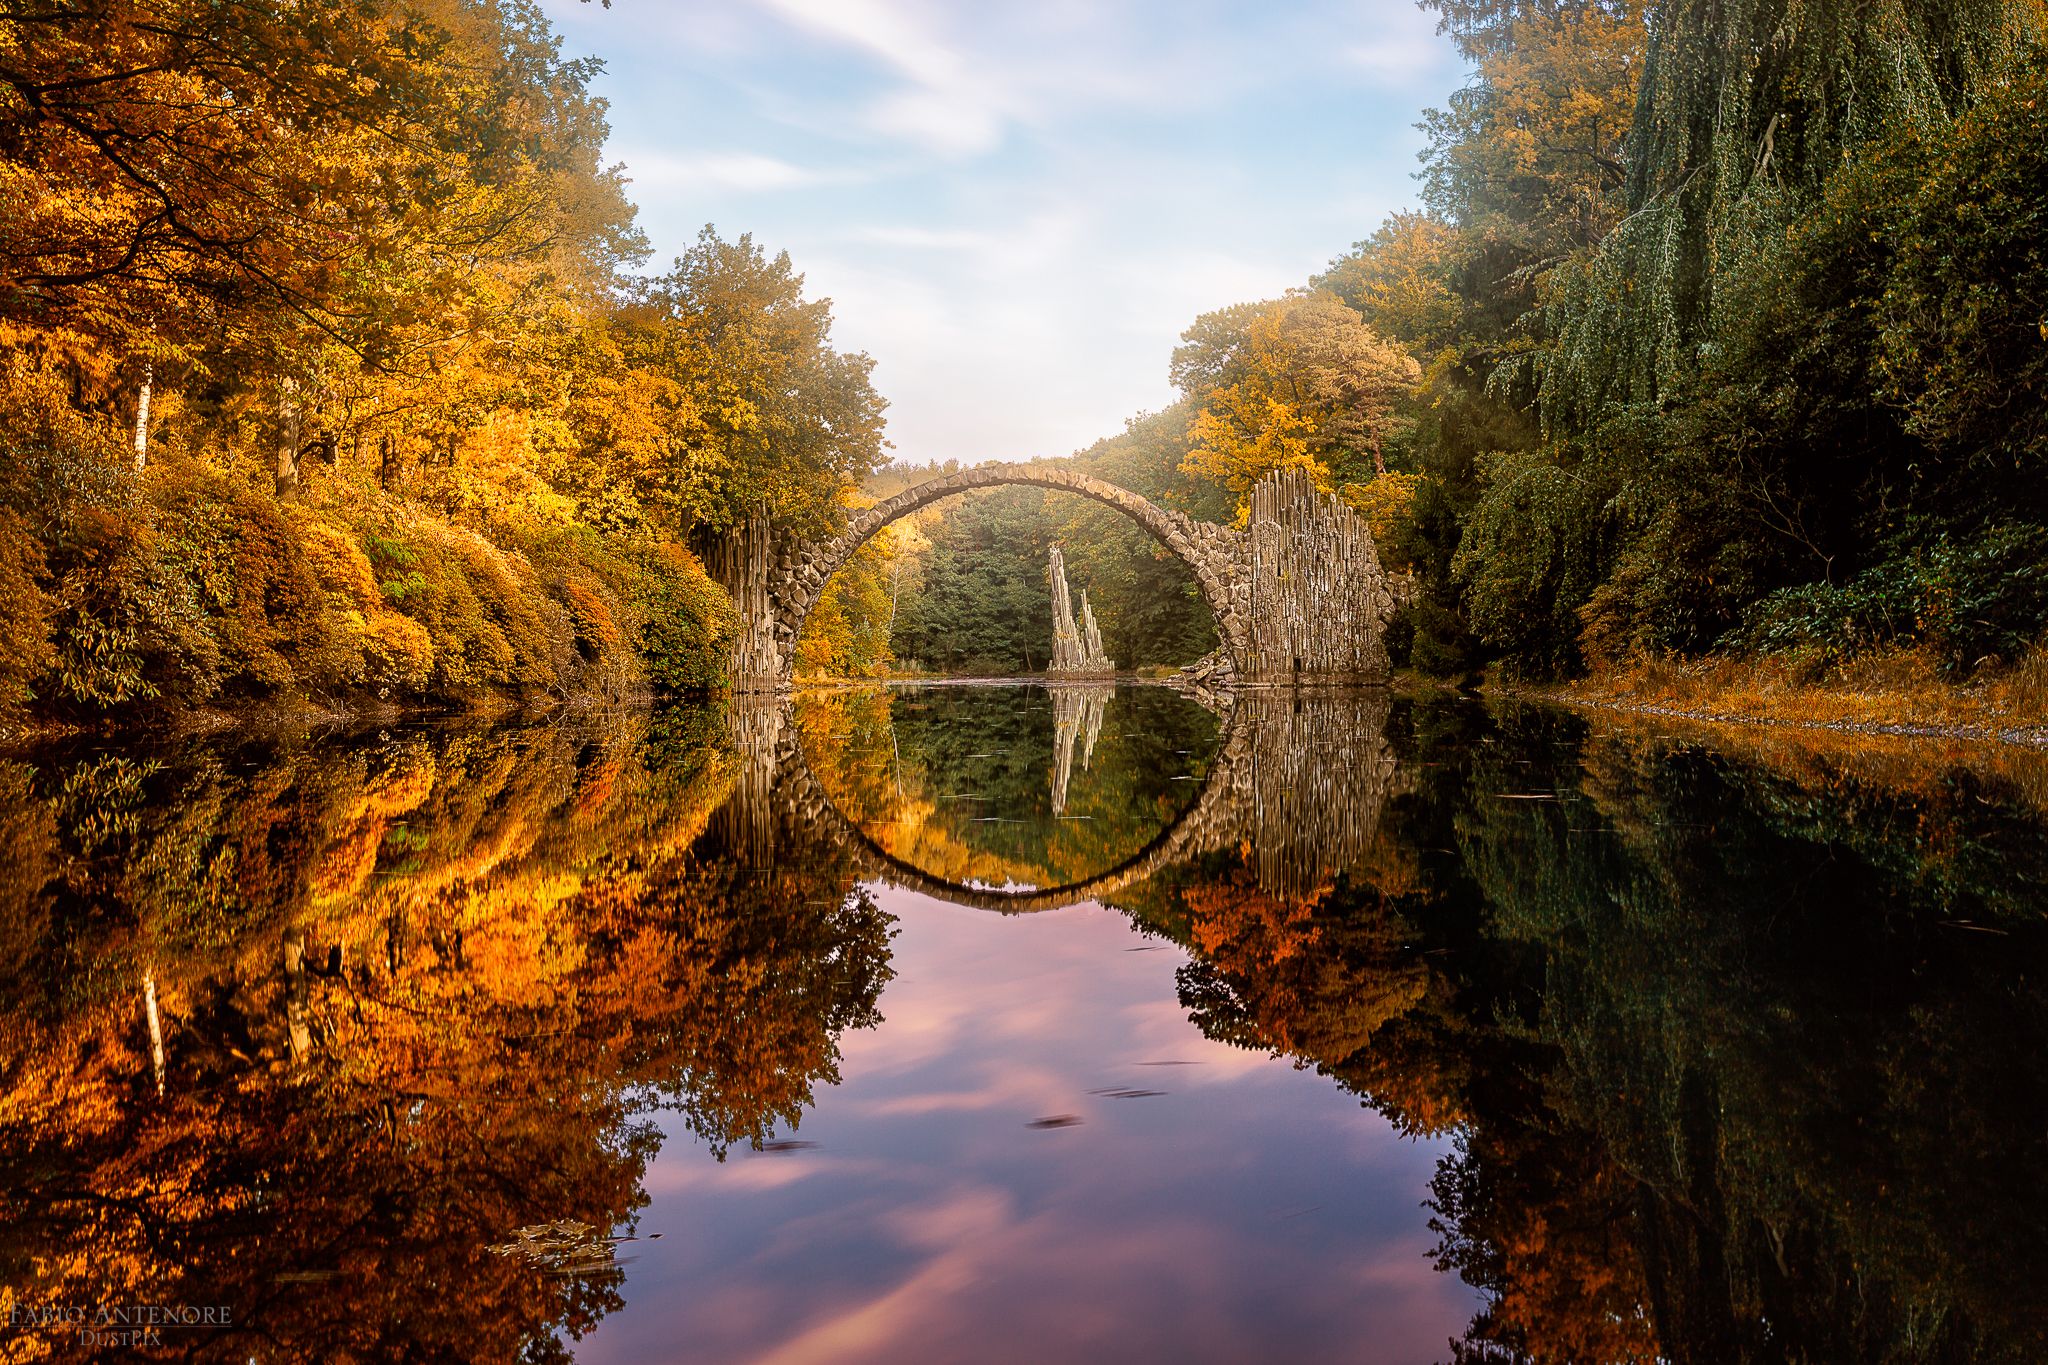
{"points": [[1300, 382], [850, 632], [737, 398], [1531, 150], [259, 181], [323, 375]]}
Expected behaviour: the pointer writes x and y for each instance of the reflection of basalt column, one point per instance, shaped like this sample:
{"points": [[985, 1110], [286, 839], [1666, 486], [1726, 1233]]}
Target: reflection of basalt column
{"points": [[1076, 648], [1076, 714], [746, 822], [1310, 795]]}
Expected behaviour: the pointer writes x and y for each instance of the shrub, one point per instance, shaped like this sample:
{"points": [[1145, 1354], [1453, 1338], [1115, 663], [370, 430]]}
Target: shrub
{"points": [[489, 622], [25, 611], [593, 581], [1532, 552], [688, 623], [1970, 597], [1965, 308], [183, 583], [392, 651], [61, 484]]}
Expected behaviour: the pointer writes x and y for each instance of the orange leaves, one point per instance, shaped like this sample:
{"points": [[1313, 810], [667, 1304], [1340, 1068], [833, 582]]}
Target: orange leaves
{"points": [[1535, 158], [1320, 975], [184, 165]]}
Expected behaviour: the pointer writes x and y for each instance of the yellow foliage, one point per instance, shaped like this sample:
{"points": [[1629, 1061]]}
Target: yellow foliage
{"points": [[1384, 502], [1300, 382], [397, 651]]}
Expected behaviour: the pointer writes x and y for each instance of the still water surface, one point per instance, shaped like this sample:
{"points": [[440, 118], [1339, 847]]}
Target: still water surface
{"points": [[999, 1023]]}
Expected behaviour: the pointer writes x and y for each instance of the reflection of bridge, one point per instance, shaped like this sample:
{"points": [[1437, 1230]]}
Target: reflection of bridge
{"points": [[1298, 594], [1300, 779]]}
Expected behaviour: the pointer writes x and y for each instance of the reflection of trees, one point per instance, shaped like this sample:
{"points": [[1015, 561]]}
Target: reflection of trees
{"points": [[1778, 1010], [1735, 1067], [1741, 1058], [734, 987], [414, 995]]}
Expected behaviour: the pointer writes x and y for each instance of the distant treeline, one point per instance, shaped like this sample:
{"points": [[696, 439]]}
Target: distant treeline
{"points": [[323, 378], [1725, 328]]}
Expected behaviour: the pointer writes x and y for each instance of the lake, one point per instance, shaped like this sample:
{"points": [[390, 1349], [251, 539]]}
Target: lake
{"points": [[994, 1023]]}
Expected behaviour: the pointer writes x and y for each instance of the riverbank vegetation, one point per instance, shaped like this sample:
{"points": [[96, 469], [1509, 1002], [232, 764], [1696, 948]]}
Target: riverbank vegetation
{"points": [[325, 377], [328, 377]]}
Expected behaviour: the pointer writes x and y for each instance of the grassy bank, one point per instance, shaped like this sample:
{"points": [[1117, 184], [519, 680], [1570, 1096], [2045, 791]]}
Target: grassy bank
{"points": [[1900, 692]]}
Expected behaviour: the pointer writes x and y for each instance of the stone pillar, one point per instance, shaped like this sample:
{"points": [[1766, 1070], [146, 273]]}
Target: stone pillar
{"points": [[1092, 652], [1076, 647], [743, 563], [1318, 600]]}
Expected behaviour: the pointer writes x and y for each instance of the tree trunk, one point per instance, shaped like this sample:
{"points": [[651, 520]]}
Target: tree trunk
{"points": [[142, 418], [298, 1013], [156, 1028], [288, 442]]}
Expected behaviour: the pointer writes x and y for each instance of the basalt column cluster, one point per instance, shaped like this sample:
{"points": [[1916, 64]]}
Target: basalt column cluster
{"points": [[1076, 647], [1317, 599]]}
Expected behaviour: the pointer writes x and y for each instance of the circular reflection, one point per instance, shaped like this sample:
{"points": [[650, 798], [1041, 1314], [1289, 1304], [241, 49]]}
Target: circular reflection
{"points": [[1009, 787]]}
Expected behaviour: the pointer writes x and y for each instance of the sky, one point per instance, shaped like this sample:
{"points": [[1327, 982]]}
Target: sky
{"points": [[1017, 207]]}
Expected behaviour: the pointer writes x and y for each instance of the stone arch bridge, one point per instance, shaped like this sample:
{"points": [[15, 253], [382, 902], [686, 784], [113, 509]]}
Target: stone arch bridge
{"points": [[1299, 780], [1299, 595]]}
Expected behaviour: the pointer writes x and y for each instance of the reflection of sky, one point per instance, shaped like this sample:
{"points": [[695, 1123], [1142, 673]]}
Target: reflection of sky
{"points": [[1251, 1212]]}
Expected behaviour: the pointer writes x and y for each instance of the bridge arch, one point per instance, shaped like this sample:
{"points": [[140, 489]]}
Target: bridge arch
{"points": [[1207, 550]]}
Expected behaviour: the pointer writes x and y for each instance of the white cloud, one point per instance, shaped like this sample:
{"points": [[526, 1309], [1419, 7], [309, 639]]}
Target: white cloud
{"points": [[948, 106], [745, 172], [922, 238], [1398, 59], [939, 120], [879, 28]]}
